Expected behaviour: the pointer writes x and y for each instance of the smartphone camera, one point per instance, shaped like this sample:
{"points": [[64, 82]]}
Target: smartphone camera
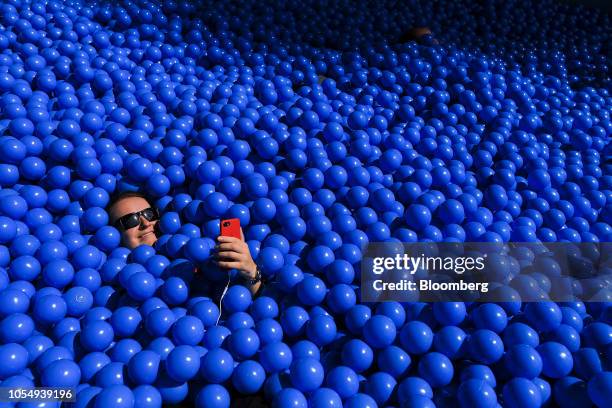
{"points": [[226, 224]]}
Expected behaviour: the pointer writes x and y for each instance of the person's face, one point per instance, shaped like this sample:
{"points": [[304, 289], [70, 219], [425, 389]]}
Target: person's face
{"points": [[143, 233], [419, 32]]}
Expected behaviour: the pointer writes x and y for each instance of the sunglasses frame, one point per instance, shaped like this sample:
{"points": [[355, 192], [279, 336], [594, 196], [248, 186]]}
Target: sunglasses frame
{"points": [[120, 223]]}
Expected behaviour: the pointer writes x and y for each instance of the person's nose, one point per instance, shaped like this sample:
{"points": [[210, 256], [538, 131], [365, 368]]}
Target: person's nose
{"points": [[144, 223]]}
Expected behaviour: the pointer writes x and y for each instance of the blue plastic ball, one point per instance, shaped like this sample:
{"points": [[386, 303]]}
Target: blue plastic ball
{"points": [[187, 330], [264, 308], [305, 349], [125, 321], [476, 393], [96, 335], [237, 299], [479, 372], [147, 396], [571, 391], [276, 357], [325, 397], [206, 311], [520, 392], [393, 360], [92, 363], [306, 374], [248, 377], [321, 330], [213, 395], [16, 328], [216, 366], [380, 387], [61, 373], [141, 286], [143, 367], [544, 316], [357, 355], [417, 217], [557, 360], [413, 387], [15, 358], [489, 316], [450, 341], [449, 313], [293, 320], [436, 368], [115, 395], [599, 388], [523, 360], [174, 291], [485, 346], [290, 397], [49, 309], [343, 380], [243, 343], [379, 331], [320, 257], [416, 337], [182, 363], [311, 290], [520, 333]]}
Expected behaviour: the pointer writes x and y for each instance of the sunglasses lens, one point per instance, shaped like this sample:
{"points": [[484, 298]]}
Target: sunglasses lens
{"points": [[150, 214], [131, 221]]}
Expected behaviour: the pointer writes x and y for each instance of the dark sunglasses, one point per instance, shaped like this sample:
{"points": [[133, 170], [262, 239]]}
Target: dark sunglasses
{"points": [[132, 220]]}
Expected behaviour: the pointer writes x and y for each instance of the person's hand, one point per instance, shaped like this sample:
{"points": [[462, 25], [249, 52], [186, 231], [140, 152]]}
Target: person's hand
{"points": [[234, 253]]}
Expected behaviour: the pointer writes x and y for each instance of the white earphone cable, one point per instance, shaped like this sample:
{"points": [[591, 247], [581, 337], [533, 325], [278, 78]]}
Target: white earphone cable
{"points": [[229, 279]]}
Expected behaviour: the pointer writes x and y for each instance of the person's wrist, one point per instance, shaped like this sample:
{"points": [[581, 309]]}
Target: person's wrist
{"points": [[255, 277], [252, 271]]}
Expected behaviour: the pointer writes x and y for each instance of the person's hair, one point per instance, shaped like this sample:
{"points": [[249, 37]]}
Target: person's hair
{"points": [[415, 34], [127, 194]]}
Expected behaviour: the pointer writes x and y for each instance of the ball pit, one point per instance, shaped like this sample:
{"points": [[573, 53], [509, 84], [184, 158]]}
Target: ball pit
{"points": [[322, 126]]}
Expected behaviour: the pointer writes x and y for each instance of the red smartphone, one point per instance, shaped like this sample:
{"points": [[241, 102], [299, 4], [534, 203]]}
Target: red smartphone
{"points": [[231, 228]]}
